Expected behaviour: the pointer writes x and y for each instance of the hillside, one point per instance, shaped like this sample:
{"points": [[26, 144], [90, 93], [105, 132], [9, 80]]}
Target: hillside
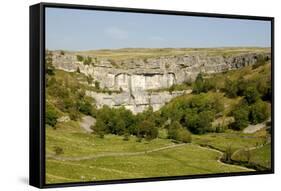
{"points": [[189, 127]]}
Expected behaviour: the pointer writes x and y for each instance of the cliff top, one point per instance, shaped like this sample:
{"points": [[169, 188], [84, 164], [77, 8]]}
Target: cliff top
{"points": [[143, 53]]}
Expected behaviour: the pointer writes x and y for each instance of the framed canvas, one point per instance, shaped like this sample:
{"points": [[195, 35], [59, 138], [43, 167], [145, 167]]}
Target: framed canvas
{"points": [[122, 95]]}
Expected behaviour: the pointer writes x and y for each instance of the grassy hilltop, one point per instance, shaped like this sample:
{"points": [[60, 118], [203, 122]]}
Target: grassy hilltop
{"points": [[143, 53], [198, 133]]}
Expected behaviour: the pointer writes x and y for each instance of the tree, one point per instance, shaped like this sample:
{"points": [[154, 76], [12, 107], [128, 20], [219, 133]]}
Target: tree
{"points": [[198, 123], [231, 88], [97, 85], [85, 107], [240, 115], [228, 153], [251, 94], [51, 115], [50, 69], [99, 128], [80, 58], [147, 130], [198, 85], [259, 112]]}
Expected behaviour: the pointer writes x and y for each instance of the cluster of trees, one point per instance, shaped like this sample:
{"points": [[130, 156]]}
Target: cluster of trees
{"points": [[252, 90], [145, 125], [253, 108], [194, 113], [121, 121], [245, 113]]}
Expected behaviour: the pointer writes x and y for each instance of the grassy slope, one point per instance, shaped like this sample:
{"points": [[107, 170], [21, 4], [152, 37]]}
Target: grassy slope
{"points": [[188, 159]]}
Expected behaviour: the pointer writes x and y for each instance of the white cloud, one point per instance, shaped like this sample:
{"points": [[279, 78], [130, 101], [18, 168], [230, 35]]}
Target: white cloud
{"points": [[116, 33]]}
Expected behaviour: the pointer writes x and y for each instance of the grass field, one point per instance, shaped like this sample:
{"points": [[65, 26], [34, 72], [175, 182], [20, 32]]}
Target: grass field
{"points": [[184, 159]]}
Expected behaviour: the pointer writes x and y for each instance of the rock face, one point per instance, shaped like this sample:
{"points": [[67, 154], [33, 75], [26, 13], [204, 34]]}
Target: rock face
{"points": [[135, 76], [137, 102]]}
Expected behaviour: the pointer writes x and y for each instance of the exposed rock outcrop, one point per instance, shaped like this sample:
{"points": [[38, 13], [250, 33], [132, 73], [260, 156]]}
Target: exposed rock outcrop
{"points": [[135, 76]]}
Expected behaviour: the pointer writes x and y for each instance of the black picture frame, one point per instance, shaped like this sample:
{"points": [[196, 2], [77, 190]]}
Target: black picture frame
{"points": [[37, 93]]}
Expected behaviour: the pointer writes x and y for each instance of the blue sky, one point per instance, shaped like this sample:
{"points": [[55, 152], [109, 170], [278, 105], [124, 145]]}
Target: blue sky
{"points": [[72, 29]]}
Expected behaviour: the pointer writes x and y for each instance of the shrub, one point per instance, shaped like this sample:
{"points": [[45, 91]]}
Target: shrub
{"points": [[259, 112], [231, 88], [228, 153], [240, 115], [147, 130], [126, 137], [85, 107], [198, 85], [80, 58], [58, 150], [199, 123], [88, 60], [50, 69], [51, 115], [99, 128], [178, 133], [251, 94], [97, 85]]}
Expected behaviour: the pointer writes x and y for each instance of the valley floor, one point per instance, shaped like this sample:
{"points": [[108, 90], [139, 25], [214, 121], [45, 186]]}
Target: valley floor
{"points": [[86, 157]]}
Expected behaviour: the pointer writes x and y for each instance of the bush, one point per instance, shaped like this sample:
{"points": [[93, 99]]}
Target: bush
{"points": [[240, 115], [228, 153], [178, 133], [58, 150], [198, 85], [85, 107], [51, 115], [251, 94], [97, 85], [80, 58], [147, 130], [50, 69], [198, 123], [126, 137], [259, 112], [87, 61], [231, 88], [99, 128]]}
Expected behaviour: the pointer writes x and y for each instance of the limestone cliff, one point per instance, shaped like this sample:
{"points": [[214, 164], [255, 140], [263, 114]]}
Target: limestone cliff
{"points": [[135, 75]]}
